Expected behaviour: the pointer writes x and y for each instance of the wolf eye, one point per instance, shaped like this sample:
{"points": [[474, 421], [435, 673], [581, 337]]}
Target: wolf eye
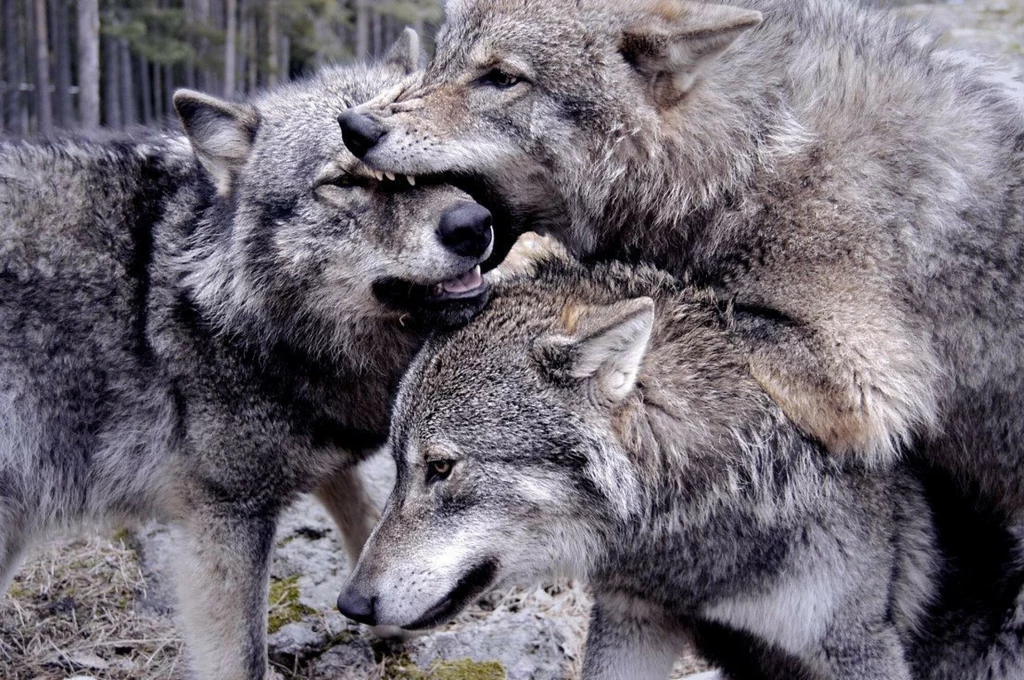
{"points": [[342, 181], [501, 79], [439, 470]]}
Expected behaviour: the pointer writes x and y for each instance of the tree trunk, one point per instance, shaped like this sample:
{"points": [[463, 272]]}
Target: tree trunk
{"points": [[231, 8], [158, 92], [252, 50], [273, 44], [418, 24], [168, 88], [44, 106], [243, 44], [129, 108], [286, 58], [111, 83], [89, 63], [61, 35], [201, 10], [146, 93], [12, 72], [362, 29], [378, 35]]}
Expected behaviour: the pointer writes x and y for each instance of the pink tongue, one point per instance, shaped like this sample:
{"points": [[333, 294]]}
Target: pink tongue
{"points": [[471, 280]]}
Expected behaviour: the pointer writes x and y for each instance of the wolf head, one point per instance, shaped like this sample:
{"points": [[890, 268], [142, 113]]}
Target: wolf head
{"points": [[516, 438], [542, 107], [297, 239]]}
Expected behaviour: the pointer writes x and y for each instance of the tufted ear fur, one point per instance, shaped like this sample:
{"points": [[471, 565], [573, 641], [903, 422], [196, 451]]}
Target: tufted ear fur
{"points": [[406, 53], [675, 40], [221, 133], [606, 344]]}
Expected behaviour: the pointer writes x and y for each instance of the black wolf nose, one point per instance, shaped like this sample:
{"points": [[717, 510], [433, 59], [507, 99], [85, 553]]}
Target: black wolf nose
{"points": [[358, 607], [466, 230], [360, 132]]}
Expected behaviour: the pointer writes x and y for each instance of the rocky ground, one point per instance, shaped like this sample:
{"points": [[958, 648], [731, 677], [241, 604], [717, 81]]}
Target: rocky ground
{"points": [[101, 609]]}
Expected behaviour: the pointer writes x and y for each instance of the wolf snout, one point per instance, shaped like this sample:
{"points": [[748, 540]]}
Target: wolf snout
{"points": [[360, 132], [467, 230], [358, 606]]}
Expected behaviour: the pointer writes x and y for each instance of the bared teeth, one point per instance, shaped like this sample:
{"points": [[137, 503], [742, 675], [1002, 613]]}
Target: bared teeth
{"points": [[389, 176], [466, 283], [412, 180]]}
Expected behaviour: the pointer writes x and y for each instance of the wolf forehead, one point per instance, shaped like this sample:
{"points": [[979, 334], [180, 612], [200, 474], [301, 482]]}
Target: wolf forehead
{"points": [[499, 24], [481, 367], [298, 123]]}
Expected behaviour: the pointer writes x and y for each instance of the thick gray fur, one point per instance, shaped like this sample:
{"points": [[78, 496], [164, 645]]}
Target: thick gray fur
{"points": [[851, 185], [189, 331], [634, 449]]}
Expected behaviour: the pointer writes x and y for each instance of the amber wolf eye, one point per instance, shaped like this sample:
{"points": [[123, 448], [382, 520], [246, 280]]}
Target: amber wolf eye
{"points": [[438, 470], [501, 79]]}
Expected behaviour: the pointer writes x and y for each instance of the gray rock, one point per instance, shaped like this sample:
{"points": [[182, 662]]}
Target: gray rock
{"points": [[298, 640], [992, 27], [529, 646], [351, 661]]}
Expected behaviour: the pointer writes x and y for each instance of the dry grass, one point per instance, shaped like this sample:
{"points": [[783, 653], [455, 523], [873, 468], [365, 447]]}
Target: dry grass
{"points": [[73, 610]]}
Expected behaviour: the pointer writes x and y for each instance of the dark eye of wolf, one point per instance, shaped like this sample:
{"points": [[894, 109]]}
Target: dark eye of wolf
{"points": [[501, 79], [438, 470], [343, 181]]}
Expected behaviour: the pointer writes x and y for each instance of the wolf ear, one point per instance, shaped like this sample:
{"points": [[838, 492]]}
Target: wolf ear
{"points": [[406, 53], [606, 344], [221, 133], [676, 39]]}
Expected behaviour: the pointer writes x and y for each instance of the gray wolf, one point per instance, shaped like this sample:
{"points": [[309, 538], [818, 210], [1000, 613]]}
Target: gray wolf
{"points": [[854, 188], [199, 328], [633, 448]]}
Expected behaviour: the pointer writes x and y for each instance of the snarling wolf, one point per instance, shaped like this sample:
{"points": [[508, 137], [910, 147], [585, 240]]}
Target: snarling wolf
{"points": [[633, 448], [854, 188], [201, 327]]}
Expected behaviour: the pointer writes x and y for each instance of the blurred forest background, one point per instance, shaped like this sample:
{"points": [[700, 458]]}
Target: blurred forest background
{"points": [[85, 64]]}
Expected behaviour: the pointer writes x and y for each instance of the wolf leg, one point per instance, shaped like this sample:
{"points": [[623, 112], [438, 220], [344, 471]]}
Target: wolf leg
{"points": [[860, 388], [1004, 658], [628, 641], [344, 495], [11, 550], [864, 651], [12, 539], [222, 572]]}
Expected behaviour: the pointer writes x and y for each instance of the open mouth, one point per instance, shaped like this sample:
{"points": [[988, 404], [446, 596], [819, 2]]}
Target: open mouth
{"points": [[390, 177], [447, 303], [469, 587], [469, 284]]}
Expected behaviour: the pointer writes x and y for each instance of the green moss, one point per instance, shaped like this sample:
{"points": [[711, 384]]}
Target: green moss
{"points": [[124, 537], [398, 666], [465, 669], [285, 606], [18, 591]]}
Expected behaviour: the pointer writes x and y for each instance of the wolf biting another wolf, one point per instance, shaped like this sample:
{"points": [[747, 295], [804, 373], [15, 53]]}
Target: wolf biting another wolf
{"points": [[200, 328], [852, 186]]}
